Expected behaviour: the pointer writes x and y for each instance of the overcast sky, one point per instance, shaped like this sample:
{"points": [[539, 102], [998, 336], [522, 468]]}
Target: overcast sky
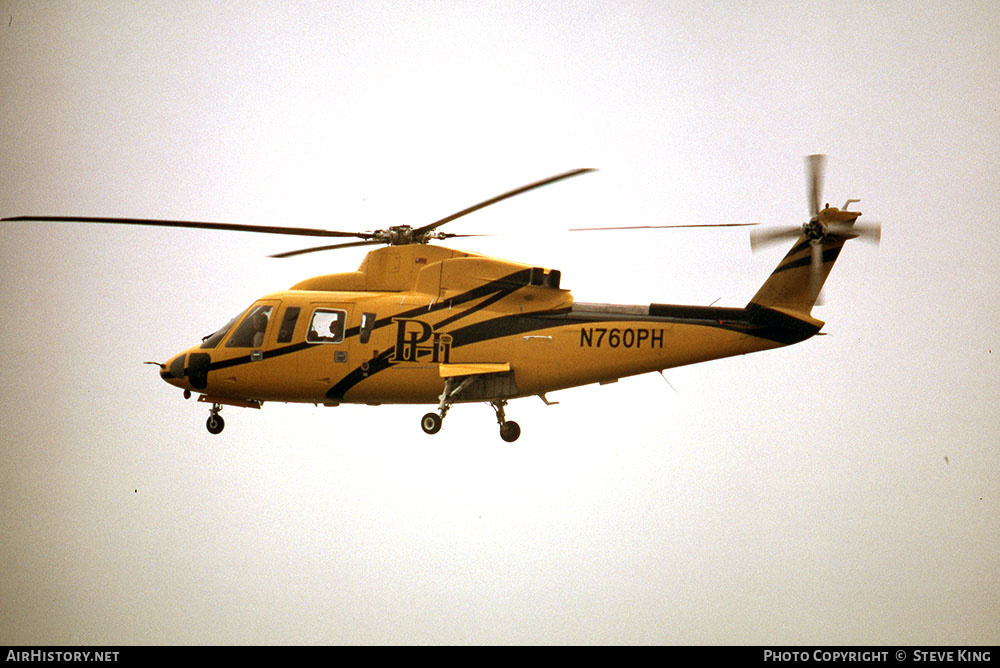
{"points": [[842, 490]]}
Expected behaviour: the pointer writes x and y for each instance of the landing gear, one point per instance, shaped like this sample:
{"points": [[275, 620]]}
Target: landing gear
{"points": [[431, 423], [509, 430], [215, 423]]}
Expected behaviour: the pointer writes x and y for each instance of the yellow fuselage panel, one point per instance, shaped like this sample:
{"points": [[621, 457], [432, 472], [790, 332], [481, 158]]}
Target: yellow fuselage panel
{"points": [[392, 331], [421, 269], [393, 345]]}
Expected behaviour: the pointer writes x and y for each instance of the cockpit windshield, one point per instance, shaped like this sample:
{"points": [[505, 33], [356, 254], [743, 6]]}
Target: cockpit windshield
{"points": [[250, 333], [212, 340]]}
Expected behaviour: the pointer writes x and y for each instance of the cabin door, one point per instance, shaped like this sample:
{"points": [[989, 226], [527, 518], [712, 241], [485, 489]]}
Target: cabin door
{"points": [[331, 335]]}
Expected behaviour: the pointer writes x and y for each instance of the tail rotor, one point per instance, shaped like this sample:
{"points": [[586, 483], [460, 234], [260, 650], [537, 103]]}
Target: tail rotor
{"points": [[820, 240], [826, 223]]}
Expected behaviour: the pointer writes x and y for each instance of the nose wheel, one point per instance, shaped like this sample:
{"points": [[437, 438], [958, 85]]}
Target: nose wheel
{"points": [[215, 423]]}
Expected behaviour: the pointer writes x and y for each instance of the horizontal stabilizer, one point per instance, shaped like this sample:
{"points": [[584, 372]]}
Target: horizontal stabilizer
{"points": [[458, 370]]}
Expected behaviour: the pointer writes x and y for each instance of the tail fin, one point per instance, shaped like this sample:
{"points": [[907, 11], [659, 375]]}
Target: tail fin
{"points": [[795, 284]]}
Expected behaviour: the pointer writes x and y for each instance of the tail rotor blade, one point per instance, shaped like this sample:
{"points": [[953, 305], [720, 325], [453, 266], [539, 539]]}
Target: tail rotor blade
{"points": [[814, 166], [772, 235], [867, 231], [816, 265]]}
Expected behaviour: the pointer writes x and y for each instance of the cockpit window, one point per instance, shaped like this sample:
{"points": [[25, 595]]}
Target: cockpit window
{"points": [[212, 340], [288, 324], [327, 326], [250, 333]]}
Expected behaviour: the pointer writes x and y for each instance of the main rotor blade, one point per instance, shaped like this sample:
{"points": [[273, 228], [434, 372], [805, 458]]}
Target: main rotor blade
{"points": [[493, 200], [659, 227], [814, 168], [352, 244], [229, 227], [449, 235], [315, 249]]}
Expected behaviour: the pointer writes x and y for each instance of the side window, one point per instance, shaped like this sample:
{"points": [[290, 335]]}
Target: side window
{"points": [[327, 326], [367, 325], [288, 324], [250, 333]]}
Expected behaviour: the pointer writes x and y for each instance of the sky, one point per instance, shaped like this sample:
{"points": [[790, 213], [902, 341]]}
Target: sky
{"points": [[844, 490]]}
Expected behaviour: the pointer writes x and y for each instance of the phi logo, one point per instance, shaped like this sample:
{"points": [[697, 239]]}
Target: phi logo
{"points": [[416, 339]]}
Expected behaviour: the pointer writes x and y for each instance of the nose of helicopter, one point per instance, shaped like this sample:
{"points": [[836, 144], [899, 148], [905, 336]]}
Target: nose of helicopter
{"points": [[173, 371]]}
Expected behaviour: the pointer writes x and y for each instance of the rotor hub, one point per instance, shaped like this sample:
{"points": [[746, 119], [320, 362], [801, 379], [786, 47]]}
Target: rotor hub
{"points": [[398, 235], [814, 230]]}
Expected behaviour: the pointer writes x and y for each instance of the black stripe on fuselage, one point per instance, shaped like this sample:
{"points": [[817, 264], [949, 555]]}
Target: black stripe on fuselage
{"points": [[755, 320]]}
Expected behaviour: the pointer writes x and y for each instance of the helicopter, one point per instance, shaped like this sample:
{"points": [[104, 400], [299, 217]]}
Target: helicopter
{"points": [[420, 323]]}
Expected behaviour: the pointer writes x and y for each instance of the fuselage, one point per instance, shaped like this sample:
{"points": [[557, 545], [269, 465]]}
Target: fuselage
{"points": [[392, 331]]}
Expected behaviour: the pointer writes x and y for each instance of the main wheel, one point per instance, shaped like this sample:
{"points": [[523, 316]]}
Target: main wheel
{"points": [[510, 431], [431, 423], [215, 424]]}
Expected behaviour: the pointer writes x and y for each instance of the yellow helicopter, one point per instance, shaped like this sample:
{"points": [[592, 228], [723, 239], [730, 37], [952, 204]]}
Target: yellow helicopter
{"points": [[419, 323]]}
